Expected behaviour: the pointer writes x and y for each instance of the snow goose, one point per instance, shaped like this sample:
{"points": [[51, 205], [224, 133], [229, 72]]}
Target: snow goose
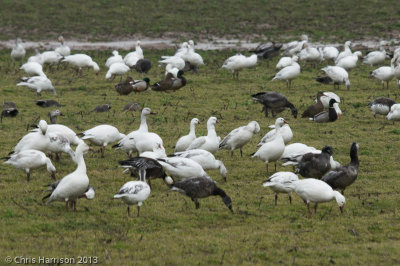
{"points": [[286, 133], [28, 160], [134, 192], [102, 135], [349, 62], [18, 51], [89, 194], [288, 74], [192, 57], [117, 69], [183, 142], [171, 69], [273, 150], [174, 61], [314, 165], [116, 58], [63, 49], [384, 74], [294, 47], [201, 187], [280, 183], [133, 57], [53, 116], [311, 54], [316, 191], [315, 108], [238, 62], [182, 168], [286, 61], [293, 153], [38, 83], [345, 52], [33, 68], [211, 141], [38, 58], [375, 57], [239, 137], [394, 113], [48, 103], [72, 186], [157, 152], [338, 75], [381, 106], [344, 176], [327, 96], [80, 61], [205, 159], [326, 116], [330, 53], [51, 58], [274, 102], [64, 131], [396, 70]]}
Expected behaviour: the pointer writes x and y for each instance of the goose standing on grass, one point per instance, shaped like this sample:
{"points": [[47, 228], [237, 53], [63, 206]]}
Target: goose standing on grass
{"points": [[211, 141], [330, 53], [326, 116], [174, 61], [314, 165], [344, 176], [205, 159], [51, 58], [273, 150], [38, 58], [294, 47], [38, 83], [381, 106], [182, 168], [192, 57], [239, 137], [238, 62], [311, 54], [349, 62], [183, 142], [102, 135], [115, 58], [133, 57], [288, 74], [18, 51], [201, 187], [338, 75], [117, 69], [286, 133], [345, 52], [28, 160], [316, 191], [384, 74], [394, 113], [33, 68], [375, 58], [274, 102], [63, 49], [286, 61], [80, 61], [280, 183], [315, 108], [72, 186], [134, 192], [143, 65]]}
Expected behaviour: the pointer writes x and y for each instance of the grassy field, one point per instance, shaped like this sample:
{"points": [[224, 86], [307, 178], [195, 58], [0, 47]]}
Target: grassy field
{"points": [[273, 19], [173, 232]]}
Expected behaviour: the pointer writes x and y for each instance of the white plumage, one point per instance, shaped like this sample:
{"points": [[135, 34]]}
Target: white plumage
{"points": [[63, 49], [116, 58], [133, 192], [182, 168], [375, 57], [131, 58], [238, 62], [33, 68], [280, 182], [18, 51], [330, 53], [184, 141], [174, 61], [384, 74], [80, 61], [51, 57], [345, 52], [38, 83], [286, 61], [286, 133], [117, 69], [288, 73], [102, 135], [338, 75], [349, 62], [394, 113], [210, 142]]}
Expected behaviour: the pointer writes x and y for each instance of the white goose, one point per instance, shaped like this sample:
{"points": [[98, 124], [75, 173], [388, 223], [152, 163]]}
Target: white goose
{"points": [[311, 54], [134, 192], [238, 62], [74, 185], [338, 75], [33, 68], [384, 74], [38, 83], [63, 49], [211, 141], [183, 142], [286, 61], [131, 58], [375, 57], [280, 183], [182, 168], [394, 113], [174, 61], [316, 191], [288, 74], [171, 69], [18, 51], [330, 53], [191, 56], [38, 58], [296, 150], [286, 133], [294, 47], [28, 160], [117, 69], [205, 159], [62, 130], [80, 61], [349, 62], [396, 71], [273, 150], [51, 57], [239, 137], [102, 135], [116, 58], [345, 52]]}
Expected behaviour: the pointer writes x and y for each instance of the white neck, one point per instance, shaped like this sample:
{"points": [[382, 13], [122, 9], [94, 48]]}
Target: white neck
{"points": [[211, 130], [143, 123], [192, 129], [80, 162]]}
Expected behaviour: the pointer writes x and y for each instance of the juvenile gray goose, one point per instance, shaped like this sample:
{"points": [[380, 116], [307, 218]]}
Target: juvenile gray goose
{"points": [[326, 116], [143, 66], [381, 106], [316, 108], [274, 102], [53, 116], [201, 187], [9, 110], [102, 108], [48, 103], [314, 165], [131, 107], [344, 176]]}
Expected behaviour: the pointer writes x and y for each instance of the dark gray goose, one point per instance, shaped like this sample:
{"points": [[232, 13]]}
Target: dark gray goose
{"points": [[102, 108], [131, 107], [201, 187], [344, 176], [48, 103], [267, 50], [381, 106], [53, 116], [316, 108], [315, 165], [9, 110], [274, 102], [143, 66], [146, 169], [326, 116]]}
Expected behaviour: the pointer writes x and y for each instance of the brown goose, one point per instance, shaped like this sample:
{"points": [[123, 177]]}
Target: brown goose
{"points": [[102, 108], [131, 107], [9, 110], [315, 108], [274, 102]]}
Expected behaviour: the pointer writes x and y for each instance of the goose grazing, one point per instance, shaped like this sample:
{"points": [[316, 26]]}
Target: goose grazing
{"points": [[62, 130], [381, 106], [80, 61], [345, 52], [211, 141], [132, 107], [72, 186], [384, 74], [267, 50], [89, 193], [330, 53], [293, 153], [205, 159], [38, 83], [288, 74], [394, 113], [326, 116], [286, 61], [9, 110], [51, 58], [63, 49], [280, 183], [274, 102], [273, 150], [238, 62], [344, 176], [143, 66], [193, 58], [18, 51], [316, 108], [239, 137], [182, 168], [349, 62], [316, 191], [102, 135], [201, 187], [375, 58], [134, 192], [48, 103], [102, 108], [116, 69], [315, 165], [28, 160], [115, 58], [183, 142], [33, 68], [165, 84], [133, 57], [286, 133], [338, 75]]}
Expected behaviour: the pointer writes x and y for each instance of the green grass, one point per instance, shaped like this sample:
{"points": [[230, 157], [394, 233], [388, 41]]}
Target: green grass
{"points": [[272, 19], [171, 231]]}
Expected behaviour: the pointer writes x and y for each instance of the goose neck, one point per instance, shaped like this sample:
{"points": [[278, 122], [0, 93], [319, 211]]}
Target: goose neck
{"points": [[143, 123], [192, 129], [80, 162]]}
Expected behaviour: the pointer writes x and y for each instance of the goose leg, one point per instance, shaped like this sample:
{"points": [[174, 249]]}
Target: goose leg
{"points": [[290, 198], [276, 199], [315, 207], [66, 205], [308, 207], [231, 153], [102, 151], [138, 210], [241, 152], [128, 210], [74, 203], [275, 166], [267, 168], [28, 175], [196, 202]]}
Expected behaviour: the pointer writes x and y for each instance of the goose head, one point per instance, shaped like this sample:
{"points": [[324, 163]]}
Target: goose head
{"points": [[254, 126], [358, 54], [295, 58], [50, 168], [61, 39], [212, 121], [115, 53], [89, 194], [340, 200], [347, 44], [347, 82], [55, 113], [147, 111], [280, 122], [194, 121], [328, 150], [82, 148], [43, 126], [138, 43], [96, 67]]}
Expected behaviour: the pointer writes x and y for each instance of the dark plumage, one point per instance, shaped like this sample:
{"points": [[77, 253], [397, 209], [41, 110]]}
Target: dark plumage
{"points": [[201, 187], [178, 82], [315, 165], [344, 176], [381, 106], [10, 112], [267, 50], [164, 84], [130, 85], [9, 105], [315, 108], [124, 88], [48, 103], [274, 102], [131, 107], [189, 67], [326, 116], [324, 80], [102, 108], [143, 66]]}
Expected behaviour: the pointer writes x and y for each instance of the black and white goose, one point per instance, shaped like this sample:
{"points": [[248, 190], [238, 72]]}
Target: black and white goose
{"points": [[274, 102], [326, 116], [381, 106]]}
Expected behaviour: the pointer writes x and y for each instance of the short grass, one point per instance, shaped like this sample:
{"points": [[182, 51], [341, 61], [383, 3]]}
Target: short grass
{"points": [[170, 230], [254, 19]]}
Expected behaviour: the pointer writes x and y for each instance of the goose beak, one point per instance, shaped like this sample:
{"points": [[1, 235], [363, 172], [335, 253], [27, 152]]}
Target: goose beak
{"points": [[286, 122], [61, 114], [341, 209], [217, 121], [153, 113]]}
